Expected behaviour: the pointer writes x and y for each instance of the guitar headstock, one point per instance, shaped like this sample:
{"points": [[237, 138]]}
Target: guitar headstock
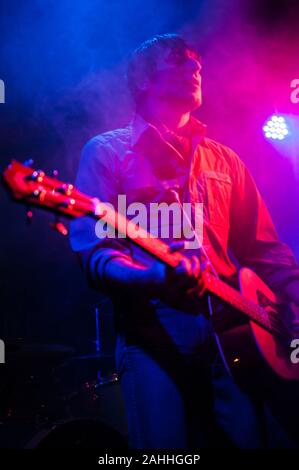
{"points": [[35, 187]]}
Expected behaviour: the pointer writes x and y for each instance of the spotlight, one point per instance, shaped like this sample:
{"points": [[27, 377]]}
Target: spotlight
{"points": [[276, 128]]}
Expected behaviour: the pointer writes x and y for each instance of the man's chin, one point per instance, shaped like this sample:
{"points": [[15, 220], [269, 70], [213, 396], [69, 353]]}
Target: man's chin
{"points": [[186, 103], [196, 104], [192, 103], [192, 100]]}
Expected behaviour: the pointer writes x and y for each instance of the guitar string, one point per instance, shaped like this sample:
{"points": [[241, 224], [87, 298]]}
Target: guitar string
{"points": [[273, 327], [276, 327]]}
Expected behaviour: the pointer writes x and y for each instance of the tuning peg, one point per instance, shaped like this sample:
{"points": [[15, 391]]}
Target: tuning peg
{"points": [[59, 227], [28, 162], [65, 189]]}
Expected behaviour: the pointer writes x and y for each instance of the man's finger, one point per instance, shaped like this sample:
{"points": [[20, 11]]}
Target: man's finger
{"points": [[195, 266]]}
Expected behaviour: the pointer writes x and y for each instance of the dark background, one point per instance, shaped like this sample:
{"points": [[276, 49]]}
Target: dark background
{"points": [[63, 64]]}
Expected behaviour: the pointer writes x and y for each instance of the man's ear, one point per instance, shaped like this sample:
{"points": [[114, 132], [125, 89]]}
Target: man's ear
{"points": [[142, 79], [143, 83]]}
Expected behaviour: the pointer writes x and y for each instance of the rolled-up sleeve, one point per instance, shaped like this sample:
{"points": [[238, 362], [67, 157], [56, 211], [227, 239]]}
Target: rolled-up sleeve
{"points": [[253, 238], [98, 177]]}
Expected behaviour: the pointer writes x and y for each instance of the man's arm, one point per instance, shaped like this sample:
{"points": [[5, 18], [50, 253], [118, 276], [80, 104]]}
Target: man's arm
{"points": [[253, 238], [98, 177], [108, 262]]}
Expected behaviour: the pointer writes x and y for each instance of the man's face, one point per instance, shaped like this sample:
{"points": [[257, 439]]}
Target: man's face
{"points": [[177, 78]]}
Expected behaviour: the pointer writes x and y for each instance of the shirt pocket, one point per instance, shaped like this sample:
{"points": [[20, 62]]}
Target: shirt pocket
{"points": [[218, 188]]}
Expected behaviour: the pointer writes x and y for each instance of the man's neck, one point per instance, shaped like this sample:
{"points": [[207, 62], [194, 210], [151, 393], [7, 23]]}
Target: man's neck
{"points": [[162, 115]]}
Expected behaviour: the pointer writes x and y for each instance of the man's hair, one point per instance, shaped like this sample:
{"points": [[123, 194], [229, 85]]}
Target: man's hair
{"points": [[142, 61]]}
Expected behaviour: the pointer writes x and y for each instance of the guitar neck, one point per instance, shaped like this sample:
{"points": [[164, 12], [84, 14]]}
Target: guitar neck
{"points": [[236, 300], [160, 250], [139, 236], [35, 187]]}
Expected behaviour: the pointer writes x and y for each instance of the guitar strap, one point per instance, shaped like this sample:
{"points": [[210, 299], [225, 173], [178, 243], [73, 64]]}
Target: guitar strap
{"points": [[205, 260]]}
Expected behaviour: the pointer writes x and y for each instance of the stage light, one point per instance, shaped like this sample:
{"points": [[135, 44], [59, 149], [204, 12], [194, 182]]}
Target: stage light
{"points": [[276, 128]]}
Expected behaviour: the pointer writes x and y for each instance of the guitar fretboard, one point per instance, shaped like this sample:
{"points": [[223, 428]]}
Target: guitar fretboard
{"points": [[37, 188], [234, 298], [161, 251]]}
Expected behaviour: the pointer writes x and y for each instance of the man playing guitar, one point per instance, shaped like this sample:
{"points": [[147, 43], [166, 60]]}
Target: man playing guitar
{"points": [[177, 391]]}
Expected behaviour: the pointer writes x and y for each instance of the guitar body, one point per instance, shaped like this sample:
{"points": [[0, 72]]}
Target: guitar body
{"points": [[259, 362], [247, 348]]}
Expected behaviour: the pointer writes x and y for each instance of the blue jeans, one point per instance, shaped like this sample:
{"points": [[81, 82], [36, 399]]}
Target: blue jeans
{"points": [[182, 397]]}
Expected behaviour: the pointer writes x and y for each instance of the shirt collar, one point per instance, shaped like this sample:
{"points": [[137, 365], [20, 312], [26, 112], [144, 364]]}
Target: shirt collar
{"points": [[140, 125]]}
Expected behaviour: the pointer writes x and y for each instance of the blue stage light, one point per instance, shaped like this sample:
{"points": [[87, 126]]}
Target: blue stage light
{"points": [[276, 128]]}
